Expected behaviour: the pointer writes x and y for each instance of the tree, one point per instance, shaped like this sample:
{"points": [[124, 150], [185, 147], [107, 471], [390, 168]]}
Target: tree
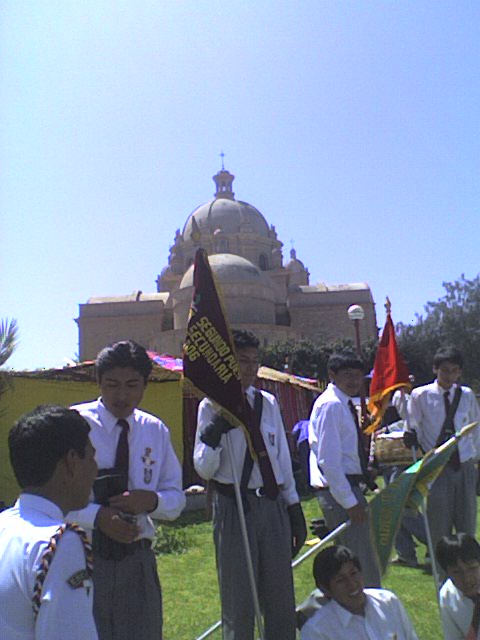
{"points": [[8, 344], [8, 339], [309, 358], [453, 320]]}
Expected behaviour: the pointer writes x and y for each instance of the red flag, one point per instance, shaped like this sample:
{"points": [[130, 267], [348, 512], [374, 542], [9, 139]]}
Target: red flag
{"points": [[389, 373], [209, 361]]}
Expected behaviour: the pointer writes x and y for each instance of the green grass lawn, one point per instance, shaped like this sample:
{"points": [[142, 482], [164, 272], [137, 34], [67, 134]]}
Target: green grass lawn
{"points": [[190, 591]]}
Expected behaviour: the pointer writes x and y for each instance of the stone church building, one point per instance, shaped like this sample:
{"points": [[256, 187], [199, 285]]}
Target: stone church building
{"points": [[261, 292]]}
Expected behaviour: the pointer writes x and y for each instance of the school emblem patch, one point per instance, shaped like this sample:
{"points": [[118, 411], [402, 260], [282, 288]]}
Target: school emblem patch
{"points": [[81, 579], [147, 465]]}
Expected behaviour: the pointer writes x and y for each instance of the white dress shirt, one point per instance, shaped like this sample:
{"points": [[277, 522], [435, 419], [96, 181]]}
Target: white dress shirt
{"points": [[385, 619], [333, 439], [427, 411], [153, 465], [457, 612], [65, 612], [400, 402], [215, 463]]}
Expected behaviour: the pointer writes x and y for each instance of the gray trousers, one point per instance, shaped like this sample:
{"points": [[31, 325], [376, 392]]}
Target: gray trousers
{"points": [[269, 535], [127, 600], [355, 537], [452, 502]]}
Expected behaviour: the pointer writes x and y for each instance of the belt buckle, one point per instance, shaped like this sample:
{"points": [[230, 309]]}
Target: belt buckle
{"points": [[259, 492]]}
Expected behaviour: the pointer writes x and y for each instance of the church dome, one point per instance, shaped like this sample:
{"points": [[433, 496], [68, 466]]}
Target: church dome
{"points": [[247, 292], [294, 265], [225, 213], [230, 269], [231, 216]]}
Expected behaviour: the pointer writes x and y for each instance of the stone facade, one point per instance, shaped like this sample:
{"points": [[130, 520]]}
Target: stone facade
{"points": [[260, 292]]}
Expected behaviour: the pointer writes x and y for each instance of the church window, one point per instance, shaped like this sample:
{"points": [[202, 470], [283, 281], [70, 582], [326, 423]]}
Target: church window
{"points": [[263, 262]]}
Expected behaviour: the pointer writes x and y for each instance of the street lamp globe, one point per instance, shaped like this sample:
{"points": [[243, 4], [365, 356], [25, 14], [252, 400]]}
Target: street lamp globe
{"points": [[355, 312]]}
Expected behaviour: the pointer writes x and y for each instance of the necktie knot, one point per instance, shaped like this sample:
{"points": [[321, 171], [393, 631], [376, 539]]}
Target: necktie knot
{"points": [[123, 424]]}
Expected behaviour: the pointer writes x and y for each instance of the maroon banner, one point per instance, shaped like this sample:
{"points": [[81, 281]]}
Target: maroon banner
{"points": [[209, 361]]}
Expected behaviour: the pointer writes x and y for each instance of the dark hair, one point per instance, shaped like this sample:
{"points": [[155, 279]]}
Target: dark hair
{"points": [[347, 360], [461, 546], [329, 562], [39, 439], [123, 354], [447, 354], [243, 339]]}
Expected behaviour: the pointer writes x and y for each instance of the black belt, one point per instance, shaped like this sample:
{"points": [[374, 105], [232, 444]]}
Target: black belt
{"points": [[228, 490]]}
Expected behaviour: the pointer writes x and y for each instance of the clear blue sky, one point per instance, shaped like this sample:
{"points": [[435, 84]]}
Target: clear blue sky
{"points": [[352, 126]]}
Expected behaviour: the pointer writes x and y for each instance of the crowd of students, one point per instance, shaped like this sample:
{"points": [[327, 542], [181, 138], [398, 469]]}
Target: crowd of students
{"points": [[75, 550]]}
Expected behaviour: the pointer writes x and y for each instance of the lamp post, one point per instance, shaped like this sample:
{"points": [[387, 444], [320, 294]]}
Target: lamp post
{"points": [[356, 313]]}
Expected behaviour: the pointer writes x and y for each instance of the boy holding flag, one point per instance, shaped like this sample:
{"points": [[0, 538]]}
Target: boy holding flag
{"points": [[241, 448]]}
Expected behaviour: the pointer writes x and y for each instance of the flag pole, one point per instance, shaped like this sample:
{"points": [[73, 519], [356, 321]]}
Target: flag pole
{"points": [[431, 550], [246, 545]]}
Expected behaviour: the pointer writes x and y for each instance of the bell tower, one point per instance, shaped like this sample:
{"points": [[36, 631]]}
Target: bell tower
{"points": [[224, 181]]}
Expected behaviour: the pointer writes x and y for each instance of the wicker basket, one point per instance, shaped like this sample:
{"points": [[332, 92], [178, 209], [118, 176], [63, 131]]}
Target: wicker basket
{"points": [[390, 450]]}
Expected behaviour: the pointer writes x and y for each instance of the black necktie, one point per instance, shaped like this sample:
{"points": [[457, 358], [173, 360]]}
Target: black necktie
{"points": [[122, 455], [454, 460], [362, 454], [270, 486]]}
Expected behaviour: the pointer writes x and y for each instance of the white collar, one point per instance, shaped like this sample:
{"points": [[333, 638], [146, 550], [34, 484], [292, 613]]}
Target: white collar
{"points": [[440, 390], [341, 395], [250, 392], [108, 420], [344, 615], [40, 504]]}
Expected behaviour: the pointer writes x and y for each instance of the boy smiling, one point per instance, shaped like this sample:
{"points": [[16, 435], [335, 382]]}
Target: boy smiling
{"points": [[352, 610]]}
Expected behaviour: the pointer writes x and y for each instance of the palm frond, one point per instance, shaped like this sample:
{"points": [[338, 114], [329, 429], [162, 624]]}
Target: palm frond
{"points": [[8, 339]]}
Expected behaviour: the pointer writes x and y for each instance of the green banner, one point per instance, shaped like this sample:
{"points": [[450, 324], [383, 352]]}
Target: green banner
{"points": [[409, 489], [386, 510]]}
